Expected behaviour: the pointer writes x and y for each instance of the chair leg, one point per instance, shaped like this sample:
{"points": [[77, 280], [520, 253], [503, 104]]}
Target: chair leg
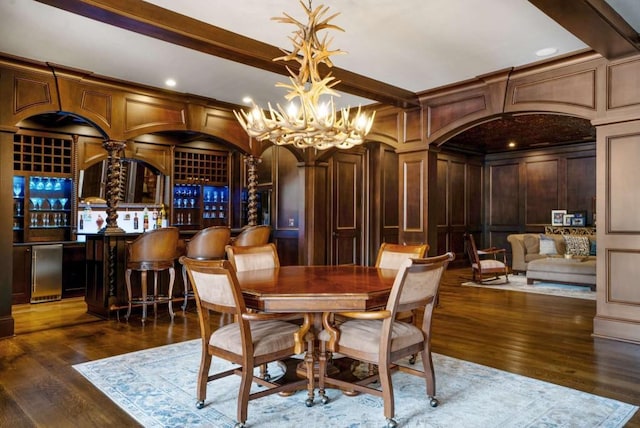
{"points": [[384, 375], [430, 376], [243, 394], [203, 375]]}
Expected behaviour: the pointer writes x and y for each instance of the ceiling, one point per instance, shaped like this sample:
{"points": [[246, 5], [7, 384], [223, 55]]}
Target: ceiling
{"points": [[395, 49]]}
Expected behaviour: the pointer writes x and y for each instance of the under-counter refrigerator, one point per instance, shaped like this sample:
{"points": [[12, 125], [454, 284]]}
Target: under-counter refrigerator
{"points": [[46, 273]]}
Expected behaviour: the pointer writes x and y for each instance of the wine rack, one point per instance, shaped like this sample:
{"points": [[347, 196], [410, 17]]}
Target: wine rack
{"points": [[42, 154], [201, 190]]}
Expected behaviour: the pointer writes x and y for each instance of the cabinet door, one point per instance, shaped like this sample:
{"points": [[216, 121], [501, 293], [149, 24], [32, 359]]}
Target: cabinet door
{"points": [[74, 274], [21, 292]]}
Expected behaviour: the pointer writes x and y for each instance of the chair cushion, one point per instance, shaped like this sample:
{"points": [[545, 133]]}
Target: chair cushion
{"points": [[268, 337], [577, 245], [364, 335], [489, 264], [547, 245]]}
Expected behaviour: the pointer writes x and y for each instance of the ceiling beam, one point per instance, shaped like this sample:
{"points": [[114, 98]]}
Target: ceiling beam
{"points": [[153, 21], [594, 22]]}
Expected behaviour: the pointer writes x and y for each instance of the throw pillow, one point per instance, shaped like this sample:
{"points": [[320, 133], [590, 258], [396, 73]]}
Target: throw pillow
{"points": [[547, 245], [592, 247], [577, 245]]}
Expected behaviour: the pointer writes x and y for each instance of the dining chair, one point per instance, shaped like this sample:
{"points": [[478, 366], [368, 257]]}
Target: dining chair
{"points": [[391, 256], [153, 251], [252, 235], [489, 261], [253, 339], [253, 257], [377, 337], [207, 244]]}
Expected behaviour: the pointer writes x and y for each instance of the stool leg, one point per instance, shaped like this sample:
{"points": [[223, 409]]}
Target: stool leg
{"points": [[155, 293], [143, 286], [172, 277], [127, 278], [186, 288]]}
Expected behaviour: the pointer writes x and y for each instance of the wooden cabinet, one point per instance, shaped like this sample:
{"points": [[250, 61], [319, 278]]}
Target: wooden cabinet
{"points": [[74, 282], [21, 284]]}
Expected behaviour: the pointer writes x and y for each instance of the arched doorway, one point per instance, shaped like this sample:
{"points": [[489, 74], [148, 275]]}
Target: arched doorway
{"points": [[505, 175]]}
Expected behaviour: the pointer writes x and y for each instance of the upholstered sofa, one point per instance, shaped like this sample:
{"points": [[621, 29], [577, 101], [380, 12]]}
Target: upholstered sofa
{"points": [[526, 247], [555, 257]]}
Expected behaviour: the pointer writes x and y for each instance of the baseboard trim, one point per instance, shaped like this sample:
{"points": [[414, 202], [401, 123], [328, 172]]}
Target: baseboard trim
{"points": [[7, 326], [616, 329]]}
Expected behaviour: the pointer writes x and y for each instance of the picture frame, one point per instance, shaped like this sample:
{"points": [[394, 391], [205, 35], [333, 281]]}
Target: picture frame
{"points": [[567, 219], [577, 221], [579, 218], [557, 217]]}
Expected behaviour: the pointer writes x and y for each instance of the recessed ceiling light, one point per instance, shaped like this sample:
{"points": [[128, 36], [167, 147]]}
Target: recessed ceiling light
{"points": [[512, 144], [546, 52], [170, 83], [247, 100]]}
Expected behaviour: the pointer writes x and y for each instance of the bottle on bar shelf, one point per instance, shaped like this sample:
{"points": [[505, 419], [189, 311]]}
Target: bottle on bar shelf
{"points": [[145, 219]]}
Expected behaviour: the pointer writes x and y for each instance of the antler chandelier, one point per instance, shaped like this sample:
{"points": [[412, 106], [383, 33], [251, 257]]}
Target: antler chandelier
{"points": [[309, 122]]}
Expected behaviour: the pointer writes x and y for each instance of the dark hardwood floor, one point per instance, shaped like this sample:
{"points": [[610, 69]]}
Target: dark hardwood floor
{"points": [[543, 337]]}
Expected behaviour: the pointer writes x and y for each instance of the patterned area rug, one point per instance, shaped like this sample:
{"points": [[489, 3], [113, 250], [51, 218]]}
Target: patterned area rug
{"points": [[519, 283], [157, 387]]}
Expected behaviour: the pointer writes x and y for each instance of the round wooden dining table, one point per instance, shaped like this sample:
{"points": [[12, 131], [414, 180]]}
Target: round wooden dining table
{"points": [[316, 289], [313, 290]]}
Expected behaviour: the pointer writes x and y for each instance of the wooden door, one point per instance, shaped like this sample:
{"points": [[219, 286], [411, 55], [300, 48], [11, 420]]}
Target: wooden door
{"points": [[346, 210]]}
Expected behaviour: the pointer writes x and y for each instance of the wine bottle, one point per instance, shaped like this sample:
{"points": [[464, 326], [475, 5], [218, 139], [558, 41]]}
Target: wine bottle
{"points": [[145, 219], [135, 221], [163, 217]]}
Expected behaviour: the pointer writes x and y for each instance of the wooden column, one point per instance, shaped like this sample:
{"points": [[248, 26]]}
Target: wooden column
{"points": [[113, 148], [252, 187]]}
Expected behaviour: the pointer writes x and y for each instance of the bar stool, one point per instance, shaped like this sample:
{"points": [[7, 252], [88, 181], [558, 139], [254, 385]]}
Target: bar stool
{"points": [[252, 235], [208, 244], [152, 251]]}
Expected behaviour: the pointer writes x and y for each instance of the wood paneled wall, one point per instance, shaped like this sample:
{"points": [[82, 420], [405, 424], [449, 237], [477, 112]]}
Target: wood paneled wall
{"points": [[459, 193]]}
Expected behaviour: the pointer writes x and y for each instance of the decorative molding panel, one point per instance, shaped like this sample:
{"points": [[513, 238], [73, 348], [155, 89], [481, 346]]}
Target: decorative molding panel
{"points": [[413, 182], [412, 126], [225, 126], [99, 104], [623, 271], [441, 115], [623, 82], [577, 89], [28, 93], [623, 192], [141, 114], [158, 156]]}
